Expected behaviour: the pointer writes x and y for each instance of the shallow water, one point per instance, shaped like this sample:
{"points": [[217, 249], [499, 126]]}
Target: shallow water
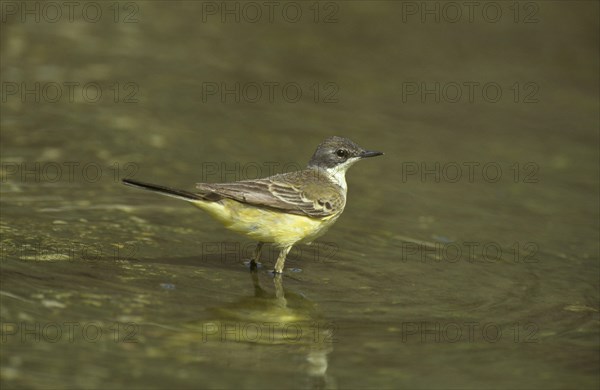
{"points": [[467, 256]]}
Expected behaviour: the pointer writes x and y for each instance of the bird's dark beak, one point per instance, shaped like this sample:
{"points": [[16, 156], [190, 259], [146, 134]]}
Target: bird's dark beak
{"points": [[370, 153]]}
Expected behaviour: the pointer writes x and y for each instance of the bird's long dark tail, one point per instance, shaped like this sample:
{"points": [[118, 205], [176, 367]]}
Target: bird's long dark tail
{"points": [[168, 191]]}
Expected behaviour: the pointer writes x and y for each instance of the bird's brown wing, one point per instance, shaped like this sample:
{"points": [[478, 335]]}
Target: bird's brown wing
{"points": [[303, 193]]}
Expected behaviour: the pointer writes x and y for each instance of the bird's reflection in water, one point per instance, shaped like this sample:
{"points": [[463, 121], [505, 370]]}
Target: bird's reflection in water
{"points": [[282, 318]]}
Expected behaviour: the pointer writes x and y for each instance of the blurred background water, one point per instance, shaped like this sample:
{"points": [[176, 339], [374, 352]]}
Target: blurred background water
{"points": [[467, 256]]}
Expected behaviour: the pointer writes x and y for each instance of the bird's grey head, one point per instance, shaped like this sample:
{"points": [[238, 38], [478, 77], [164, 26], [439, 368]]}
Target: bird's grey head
{"points": [[338, 153]]}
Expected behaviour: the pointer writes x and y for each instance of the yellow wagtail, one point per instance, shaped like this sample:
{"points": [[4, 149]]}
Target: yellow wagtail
{"points": [[283, 209]]}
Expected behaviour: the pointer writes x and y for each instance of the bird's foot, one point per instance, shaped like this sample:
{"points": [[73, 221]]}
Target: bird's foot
{"points": [[253, 265]]}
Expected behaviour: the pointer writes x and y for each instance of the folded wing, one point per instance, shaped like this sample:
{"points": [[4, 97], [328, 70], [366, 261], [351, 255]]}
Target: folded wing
{"points": [[303, 193]]}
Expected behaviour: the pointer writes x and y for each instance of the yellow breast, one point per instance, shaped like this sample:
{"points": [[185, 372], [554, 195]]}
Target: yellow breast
{"points": [[266, 225]]}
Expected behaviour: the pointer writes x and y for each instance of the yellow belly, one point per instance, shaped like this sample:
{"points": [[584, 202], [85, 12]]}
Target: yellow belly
{"points": [[266, 225]]}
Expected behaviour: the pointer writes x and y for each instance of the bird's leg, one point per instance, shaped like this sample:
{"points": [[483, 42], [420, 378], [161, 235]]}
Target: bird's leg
{"points": [[256, 256], [281, 259], [279, 293]]}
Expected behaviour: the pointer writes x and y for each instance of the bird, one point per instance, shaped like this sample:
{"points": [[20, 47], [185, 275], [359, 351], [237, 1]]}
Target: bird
{"points": [[283, 209]]}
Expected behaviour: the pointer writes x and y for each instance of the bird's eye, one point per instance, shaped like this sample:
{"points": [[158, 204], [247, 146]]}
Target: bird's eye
{"points": [[341, 153]]}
